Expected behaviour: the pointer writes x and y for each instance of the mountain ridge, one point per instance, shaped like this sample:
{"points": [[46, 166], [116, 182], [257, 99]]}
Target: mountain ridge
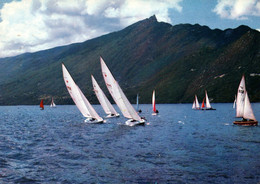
{"points": [[178, 61]]}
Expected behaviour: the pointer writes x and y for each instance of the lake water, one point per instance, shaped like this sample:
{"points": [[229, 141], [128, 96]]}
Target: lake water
{"points": [[180, 145]]}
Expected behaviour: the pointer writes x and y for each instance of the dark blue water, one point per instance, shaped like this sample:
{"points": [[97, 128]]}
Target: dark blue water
{"points": [[178, 146]]}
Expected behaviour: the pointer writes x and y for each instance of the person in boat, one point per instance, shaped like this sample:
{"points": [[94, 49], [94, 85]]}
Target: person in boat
{"points": [[156, 111], [140, 111], [92, 119], [112, 114]]}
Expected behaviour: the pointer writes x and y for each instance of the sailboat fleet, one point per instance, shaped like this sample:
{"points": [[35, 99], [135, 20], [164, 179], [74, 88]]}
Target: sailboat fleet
{"points": [[242, 103], [205, 105]]}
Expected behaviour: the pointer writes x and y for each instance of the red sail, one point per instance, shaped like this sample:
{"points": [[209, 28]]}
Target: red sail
{"points": [[203, 104], [154, 109], [41, 104]]}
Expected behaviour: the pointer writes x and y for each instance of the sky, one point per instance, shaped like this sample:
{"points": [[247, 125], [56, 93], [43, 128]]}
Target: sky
{"points": [[33, 25]]}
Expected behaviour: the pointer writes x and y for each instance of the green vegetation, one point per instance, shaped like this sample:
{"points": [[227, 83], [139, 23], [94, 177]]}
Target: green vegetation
{"points": [[178, 61]]}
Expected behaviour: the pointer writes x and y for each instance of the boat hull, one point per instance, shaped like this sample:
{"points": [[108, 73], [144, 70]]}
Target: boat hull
{"points": [[132, 122], [112, 116], [246, 123], [95, 121]]}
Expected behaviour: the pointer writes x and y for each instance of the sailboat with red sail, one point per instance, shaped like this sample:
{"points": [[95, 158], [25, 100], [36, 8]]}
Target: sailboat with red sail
{"points": [[41, 105], [155, 111], [203, 104]]}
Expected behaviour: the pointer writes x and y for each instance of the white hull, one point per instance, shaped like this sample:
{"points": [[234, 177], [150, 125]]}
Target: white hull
{"points": [[132, 122], [91, 120], [112, 116], [154, 114]]}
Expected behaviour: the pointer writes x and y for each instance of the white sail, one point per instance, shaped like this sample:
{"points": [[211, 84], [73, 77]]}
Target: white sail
{"points": [[52, 103], [153, 101], [116, 92], [248, 111], [234, 104], [241, 98], [78, 97], [106, 105], [208, 106], [197, 105], [194, 105]]}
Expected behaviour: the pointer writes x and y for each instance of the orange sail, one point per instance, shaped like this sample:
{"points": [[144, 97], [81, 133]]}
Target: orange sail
{"points": [[41, 105], [203, 104]]}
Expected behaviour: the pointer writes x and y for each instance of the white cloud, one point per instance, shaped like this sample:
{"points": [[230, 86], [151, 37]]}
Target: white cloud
{"points": [[237, 9], [32, 25]]}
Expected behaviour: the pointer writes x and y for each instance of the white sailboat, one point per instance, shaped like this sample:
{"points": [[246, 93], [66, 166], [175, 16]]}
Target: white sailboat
{"points": [[208, 106], [243, 108], [106, 105], [119, 97], [234, 104], [137, 104], [196, 104], [155, 111], [79, 99], [52, 103]]}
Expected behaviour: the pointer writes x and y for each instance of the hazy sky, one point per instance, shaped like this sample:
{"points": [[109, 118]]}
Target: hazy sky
{"points": [[32, 25]]}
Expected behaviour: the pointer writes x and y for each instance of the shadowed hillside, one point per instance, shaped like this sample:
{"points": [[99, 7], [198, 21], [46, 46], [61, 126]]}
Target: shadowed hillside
{"points": [[178, 61]]}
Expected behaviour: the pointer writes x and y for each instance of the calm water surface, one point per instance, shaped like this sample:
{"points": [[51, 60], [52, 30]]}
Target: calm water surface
{"points": [[178, 146]]}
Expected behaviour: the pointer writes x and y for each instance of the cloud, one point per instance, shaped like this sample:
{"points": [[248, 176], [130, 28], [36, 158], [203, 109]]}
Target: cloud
{"points": [[33, 25], [237, 9]]}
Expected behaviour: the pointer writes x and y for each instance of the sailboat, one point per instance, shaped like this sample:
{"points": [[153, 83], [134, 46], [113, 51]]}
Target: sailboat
{"points": [[196, 104], [137, 104], [243, 108], [155, 111], [203, 104], [234, 104], [106, 105], [208, 106], [79, 99], [41, 105], [119, 97], [52, 103]]}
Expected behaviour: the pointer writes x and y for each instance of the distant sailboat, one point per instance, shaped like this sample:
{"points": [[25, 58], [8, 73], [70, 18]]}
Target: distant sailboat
{"points": [[106, 105], [196, 104], [52, 103], [137, 104], [119, 97], [79, 99], [41, 105], [155, 111], [243, 108], [234, 104], [203, 104], [208, 106]]}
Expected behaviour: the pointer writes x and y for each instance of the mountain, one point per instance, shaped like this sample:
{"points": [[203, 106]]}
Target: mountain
{"points": [[178, 61]]}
